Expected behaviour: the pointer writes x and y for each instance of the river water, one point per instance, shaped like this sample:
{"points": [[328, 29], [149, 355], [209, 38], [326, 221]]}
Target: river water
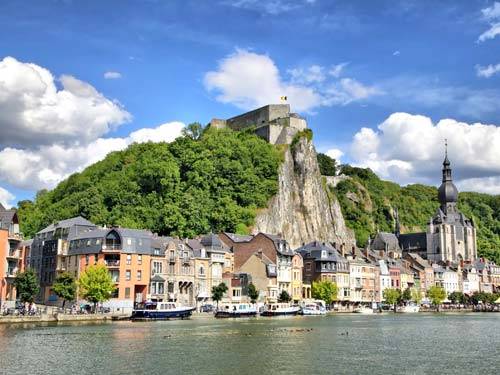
{"points": [[338, 344]]}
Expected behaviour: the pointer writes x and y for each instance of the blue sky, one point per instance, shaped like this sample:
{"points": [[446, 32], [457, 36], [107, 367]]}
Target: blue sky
{"points": [[374, 79]]}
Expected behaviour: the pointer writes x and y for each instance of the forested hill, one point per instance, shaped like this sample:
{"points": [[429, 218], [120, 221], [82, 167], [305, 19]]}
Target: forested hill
{"points": [[193, 185], [368, 205]]}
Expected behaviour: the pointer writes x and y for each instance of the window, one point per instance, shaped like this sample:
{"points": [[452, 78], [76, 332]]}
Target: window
{"points": [[139, 275], [86, 260], [171, 269], [88, 242], [139, 259], [95, 259], [129, 259], [127, 292], [128, 275], [157, 267], [202, 271], [129, 241]]}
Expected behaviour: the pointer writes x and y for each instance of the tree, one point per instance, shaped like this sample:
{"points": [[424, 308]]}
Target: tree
{"points": [[456, 297], [324, 290], [416, 296], [26, 284], [193, 130], [392, 296], [65, 287], [253, 293], [327, 165], [406, 295], [437, 295], [284, 296], [218, 292], [96, 285]]}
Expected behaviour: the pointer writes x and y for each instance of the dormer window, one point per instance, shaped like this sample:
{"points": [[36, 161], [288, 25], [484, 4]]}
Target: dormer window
{"points": [[324, 254]]}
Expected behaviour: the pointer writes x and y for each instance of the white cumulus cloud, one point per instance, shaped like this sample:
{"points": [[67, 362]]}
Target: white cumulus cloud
{"points": [[487, 71], [6, 198], [249, 80], [492, 16], [112, 75], [36, 108], [410, 148], [335, 153], [45, 166]]}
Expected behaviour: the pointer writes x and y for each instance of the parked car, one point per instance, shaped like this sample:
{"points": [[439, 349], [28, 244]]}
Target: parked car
{"points": [[207, 308]]}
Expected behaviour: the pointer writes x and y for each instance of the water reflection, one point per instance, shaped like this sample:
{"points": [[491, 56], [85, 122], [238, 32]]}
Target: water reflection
{"points": [[319, 345]]}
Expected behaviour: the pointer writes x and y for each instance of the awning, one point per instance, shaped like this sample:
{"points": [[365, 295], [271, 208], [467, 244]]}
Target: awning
{"points": [[203, 295]]}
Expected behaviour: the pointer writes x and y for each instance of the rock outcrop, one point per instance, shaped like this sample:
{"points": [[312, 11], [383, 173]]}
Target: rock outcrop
{"points": [[302, 210]]}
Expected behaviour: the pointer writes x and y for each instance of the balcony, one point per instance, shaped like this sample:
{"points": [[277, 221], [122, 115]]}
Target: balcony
{"points": [[112, 262], [14, 254], [185, 260], [11, 272], [171, 258], [107, 248]]}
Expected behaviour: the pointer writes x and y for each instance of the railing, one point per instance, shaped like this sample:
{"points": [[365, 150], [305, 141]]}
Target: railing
{"points": [[112, 263], [171, 258], [11, 272], [111, 247], [14, 254]]}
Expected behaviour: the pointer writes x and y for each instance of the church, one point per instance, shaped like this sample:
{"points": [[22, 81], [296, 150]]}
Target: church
{"points": [[450, 235]]}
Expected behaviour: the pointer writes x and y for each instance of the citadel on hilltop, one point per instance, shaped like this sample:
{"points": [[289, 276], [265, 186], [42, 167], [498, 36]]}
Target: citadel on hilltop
{"points": [[274, 122]]}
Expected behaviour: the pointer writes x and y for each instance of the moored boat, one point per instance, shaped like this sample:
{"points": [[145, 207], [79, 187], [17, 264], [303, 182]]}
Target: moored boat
{"points": [[363, 310], [236, 310], [313, 308], [279, 309], [411, 308], [161, 311]]}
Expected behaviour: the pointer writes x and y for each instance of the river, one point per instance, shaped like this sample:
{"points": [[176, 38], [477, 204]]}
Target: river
{"points": [[337, 344]]}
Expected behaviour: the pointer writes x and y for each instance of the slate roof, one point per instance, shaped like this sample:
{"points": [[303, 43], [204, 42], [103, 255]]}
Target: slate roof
{"points": [[212, 242], [67, 223], [238, 237], [7, 217], [280, 244], [413, 241], [315, 250], [385, 241]]}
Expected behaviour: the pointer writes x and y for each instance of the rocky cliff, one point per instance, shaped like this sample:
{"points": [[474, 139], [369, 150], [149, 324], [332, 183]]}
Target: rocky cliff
{"points": [[303, 210]]}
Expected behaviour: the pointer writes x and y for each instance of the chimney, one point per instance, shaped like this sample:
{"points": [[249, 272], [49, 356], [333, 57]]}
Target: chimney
{"points": [[342, 250]]}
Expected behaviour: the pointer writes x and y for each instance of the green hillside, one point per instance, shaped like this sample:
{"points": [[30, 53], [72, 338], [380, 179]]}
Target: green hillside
{"points": [[368, 205], [184, 188]]}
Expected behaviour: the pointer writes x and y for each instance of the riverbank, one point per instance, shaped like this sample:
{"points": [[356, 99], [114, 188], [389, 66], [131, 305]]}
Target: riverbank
{"points": [[44, 318]]}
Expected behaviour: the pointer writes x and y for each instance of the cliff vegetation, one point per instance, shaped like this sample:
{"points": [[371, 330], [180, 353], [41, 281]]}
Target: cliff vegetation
{"points": [[210, 180]]}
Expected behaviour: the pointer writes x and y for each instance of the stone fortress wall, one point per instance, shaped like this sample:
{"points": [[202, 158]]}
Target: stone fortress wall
{"points": [[273, 122]]}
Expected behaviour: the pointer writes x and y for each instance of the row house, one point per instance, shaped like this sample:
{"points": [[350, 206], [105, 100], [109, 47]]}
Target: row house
{"points": [[470, 279], [363, 278], [11, 254], [48, 252], [489, 275], [273, 254], [323, 262], [447, 278], [187, 270], [422, 270], [126, 253]]}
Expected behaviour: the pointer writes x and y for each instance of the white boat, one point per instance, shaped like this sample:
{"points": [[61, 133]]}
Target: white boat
{"points": [[313, 308], [411, 308], [161, 311], [279, 309], [236, 310], [363, 310]]}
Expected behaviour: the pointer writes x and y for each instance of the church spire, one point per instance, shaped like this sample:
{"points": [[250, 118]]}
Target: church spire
{"points": [[447, 193], [446, 163]]}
